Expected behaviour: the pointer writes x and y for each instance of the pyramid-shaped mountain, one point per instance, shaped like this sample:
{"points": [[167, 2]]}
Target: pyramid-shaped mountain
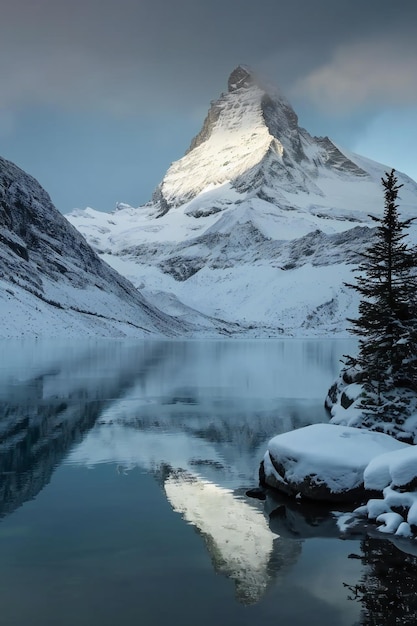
{"points": [[251, 140], [259, 222], [51, 281]]}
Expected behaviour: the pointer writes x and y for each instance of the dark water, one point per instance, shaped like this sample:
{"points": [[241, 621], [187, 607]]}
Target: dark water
{"points": [[123, 472]]}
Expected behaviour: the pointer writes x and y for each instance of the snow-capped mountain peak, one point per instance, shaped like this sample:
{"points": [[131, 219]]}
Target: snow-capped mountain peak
{"points": [[250, 139], [241, 77], [258, 223]]}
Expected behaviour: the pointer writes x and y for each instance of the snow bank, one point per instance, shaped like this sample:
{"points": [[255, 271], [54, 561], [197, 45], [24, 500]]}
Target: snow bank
{"points": [[340, 463], [344, 401], [398, 468], [323, 461], [395, 475]]}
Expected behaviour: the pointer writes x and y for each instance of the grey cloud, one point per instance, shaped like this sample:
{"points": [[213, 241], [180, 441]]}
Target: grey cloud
{"points": [[130, 56], [381, 72]]}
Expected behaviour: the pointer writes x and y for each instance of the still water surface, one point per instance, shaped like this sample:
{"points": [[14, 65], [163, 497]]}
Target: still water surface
{"points": [[124, 468]]}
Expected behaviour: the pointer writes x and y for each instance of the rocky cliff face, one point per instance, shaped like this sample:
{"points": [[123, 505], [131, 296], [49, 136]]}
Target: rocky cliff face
{"points": [[258, 223], [52, 282], [252, 140]]}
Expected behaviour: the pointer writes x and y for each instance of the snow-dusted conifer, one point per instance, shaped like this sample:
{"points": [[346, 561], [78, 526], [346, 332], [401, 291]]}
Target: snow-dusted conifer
{"points": [[387, 321]]}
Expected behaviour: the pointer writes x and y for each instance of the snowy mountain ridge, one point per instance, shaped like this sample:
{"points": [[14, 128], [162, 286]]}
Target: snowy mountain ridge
{"points": [[52, 283], [251, 138], [258, 223]]}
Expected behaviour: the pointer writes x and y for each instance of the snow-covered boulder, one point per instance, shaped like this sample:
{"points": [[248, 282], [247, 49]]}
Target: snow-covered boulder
{"points": [[395, 475], [323, 461], [395, 416], [398, 469], [343, 398]]}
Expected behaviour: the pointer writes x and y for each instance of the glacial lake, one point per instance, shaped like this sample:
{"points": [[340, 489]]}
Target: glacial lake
{"points": [[124, 469]]}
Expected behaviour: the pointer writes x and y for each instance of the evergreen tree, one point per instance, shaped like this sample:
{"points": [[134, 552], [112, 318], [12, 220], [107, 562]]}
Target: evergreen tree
{"points": [[387, 321]]}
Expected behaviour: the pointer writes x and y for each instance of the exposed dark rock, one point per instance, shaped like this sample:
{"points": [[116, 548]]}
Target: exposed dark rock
{"points": [[208, 124], [331, 396], [240, 77], [313, 488], [257, 493], [181, 268], [324, 462], [281, 121], [337, 160], [345, 401]]}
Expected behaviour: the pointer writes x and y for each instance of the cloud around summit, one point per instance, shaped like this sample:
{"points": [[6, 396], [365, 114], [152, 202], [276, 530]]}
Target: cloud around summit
{"points": [[128, 56], [108, 92], [371, 72]]}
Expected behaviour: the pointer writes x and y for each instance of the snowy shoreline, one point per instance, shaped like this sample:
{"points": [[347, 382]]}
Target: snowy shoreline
{"points": [[331, 463]]}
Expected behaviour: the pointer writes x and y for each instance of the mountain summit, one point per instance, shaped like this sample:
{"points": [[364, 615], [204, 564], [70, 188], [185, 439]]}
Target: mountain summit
{"points": [[242, 76], [258, 223], [251, 140]]}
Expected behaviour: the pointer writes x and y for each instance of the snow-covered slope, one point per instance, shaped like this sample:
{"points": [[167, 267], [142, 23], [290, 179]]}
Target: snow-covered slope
{"points": [[258, 223], [51, 281]]}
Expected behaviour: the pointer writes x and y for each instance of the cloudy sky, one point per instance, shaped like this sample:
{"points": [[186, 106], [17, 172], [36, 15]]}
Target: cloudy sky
{"points": [[98, 97]]}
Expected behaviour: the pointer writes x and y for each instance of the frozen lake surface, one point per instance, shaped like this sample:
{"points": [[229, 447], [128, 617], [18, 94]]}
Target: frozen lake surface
{"points": [[124, 468]]}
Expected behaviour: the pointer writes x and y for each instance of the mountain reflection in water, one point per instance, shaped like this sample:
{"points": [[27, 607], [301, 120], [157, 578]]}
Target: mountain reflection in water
{"points": [[236, 533], [196, 417], [48, 406]]}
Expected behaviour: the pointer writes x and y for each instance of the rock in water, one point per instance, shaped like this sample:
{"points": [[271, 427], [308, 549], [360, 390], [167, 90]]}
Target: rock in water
{"points": [[323, 461]]}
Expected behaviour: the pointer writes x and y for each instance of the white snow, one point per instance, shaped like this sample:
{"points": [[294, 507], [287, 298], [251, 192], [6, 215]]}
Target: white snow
{"points": [[398, 467], [353, 390], [404, 530], [375, 508], [258, 294], [344, 458], [404, 523], [395, 475], [103, 314], [237, 144], [242, 543], [390, 522], [233, 206], [337, 455]]}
